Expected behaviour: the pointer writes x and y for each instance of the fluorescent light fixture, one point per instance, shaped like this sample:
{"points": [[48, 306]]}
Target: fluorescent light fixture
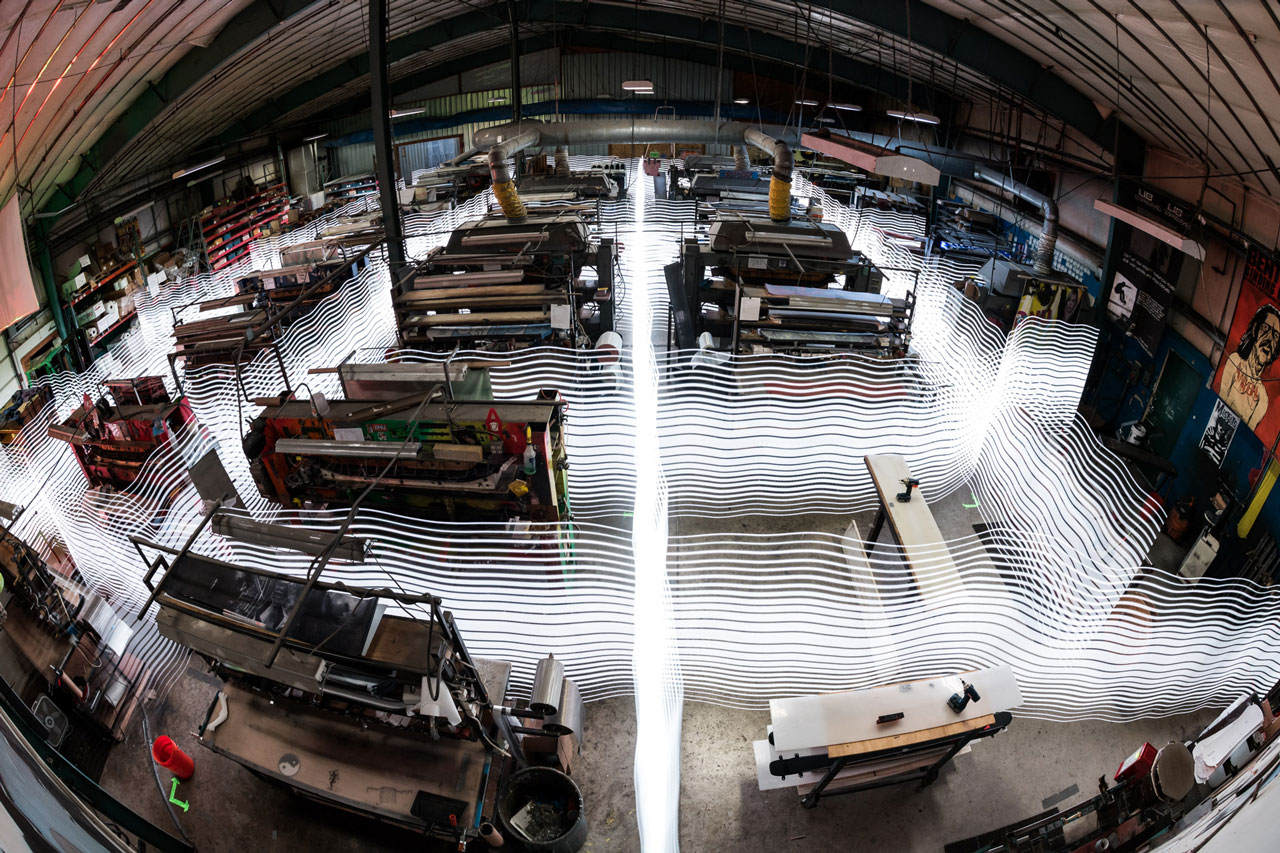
{"points": [[410, 112], [919, 118], [741, 101], [497, 99], [637, 85], [852, 108], [1161, 232], [872, 158], [825, 119], [314, 138], [806, 103], [182, 173]]}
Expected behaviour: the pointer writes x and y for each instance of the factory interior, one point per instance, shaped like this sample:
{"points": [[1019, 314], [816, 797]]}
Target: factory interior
{"points": [[598, 425]]}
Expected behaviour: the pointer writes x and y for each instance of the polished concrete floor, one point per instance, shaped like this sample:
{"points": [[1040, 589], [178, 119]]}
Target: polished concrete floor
{"points": [[1031, 767]]}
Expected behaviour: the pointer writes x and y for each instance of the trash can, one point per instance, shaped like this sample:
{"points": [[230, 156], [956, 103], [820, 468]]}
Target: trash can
{"points": [[542, 809]]}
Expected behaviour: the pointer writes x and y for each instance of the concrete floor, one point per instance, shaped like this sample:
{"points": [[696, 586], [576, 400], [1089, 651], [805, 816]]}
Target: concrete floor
{"points": [[1003, 779]]}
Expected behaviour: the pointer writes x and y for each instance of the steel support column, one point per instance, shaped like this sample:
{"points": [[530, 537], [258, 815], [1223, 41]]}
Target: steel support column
{"points": [[515, 63], [383, 152]]}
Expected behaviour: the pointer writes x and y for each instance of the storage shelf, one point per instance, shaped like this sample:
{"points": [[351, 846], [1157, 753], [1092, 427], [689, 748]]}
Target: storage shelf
{"points": [[229, 229], [220, 213], [113, 327], [223, 247], [102, 282]]}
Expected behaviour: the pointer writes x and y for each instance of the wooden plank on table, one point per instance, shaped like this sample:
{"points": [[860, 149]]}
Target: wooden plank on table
{"points": [[861, 747], [415, 297], [484, 302], [923, 548], [480, 319], [450, 281], [842, 718], [860, 774]]}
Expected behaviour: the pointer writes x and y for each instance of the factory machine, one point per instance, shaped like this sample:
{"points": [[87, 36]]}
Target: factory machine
{"points": [[112, 441], [506, 284], [22, 407], [793, 286], [428, 438], [447, 183], [1154, 793], [264, 305], [554, 182], [363, 699]]}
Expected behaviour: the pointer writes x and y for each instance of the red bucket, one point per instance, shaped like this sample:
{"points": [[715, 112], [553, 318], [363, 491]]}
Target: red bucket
{"points": [[167, 755]]}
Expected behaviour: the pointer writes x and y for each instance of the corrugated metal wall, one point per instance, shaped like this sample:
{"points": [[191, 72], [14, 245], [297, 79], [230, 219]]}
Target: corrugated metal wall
{"points": [[601, 75], [589, 76]]}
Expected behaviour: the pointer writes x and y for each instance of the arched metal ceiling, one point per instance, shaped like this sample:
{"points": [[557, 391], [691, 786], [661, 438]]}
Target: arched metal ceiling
{"points": [[99, 93]]}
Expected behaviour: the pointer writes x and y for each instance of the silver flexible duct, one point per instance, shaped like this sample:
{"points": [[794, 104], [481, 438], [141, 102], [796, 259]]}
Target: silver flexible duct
{"points": [[740, 160], [562, 161], [1048, 231]]}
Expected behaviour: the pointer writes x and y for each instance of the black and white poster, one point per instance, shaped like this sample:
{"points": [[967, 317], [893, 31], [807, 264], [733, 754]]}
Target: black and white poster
{"points": [[1148, 270], [1153, 267], [1219, 432]]}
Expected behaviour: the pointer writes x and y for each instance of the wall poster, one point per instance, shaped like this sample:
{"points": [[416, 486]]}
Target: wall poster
{"points": [[1218, 433], [1247, 379], [1148, 269], [1051, 300]]}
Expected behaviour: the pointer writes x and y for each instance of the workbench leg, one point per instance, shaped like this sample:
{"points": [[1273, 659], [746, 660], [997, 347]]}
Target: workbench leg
{"points": [[931, 775], [876, 527], [810, 800]]}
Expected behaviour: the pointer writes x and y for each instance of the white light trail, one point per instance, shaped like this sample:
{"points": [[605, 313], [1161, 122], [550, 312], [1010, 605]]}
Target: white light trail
{"points": [[1053, 586]]}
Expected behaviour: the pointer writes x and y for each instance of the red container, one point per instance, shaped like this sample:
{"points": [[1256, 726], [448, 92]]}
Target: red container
{"points": [[1138, 764], [167, 755]]}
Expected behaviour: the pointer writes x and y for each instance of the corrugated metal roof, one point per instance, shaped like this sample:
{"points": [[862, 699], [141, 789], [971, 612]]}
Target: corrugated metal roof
{"points": [[1194, 78]]}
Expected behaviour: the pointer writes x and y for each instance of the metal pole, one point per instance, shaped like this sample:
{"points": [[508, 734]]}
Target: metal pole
{"points": [[515, 63], [380, 97]]}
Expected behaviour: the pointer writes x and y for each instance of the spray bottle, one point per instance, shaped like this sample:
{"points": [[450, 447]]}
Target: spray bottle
{"points": [[530, 455]]}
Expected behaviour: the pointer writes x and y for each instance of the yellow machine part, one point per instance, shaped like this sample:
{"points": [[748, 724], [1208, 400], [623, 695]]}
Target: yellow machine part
{"points": [[779, 200], [509, 200]]}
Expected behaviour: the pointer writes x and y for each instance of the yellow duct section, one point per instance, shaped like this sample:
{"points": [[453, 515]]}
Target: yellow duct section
{"points": [[509, 200], [780, 183], [779, 199], [504, 185]]}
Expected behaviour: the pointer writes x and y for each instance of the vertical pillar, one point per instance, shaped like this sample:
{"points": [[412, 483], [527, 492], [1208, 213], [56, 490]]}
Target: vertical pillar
{"points": [[516, 104], [380, 98]]}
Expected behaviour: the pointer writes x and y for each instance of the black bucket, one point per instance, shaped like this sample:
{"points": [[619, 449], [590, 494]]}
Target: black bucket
{"points": [[558, 823]]}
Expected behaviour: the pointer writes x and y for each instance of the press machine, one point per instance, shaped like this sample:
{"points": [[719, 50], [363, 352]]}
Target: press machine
{"points": [[454, 451], [770, 289], [500, 285], [113, 441]]}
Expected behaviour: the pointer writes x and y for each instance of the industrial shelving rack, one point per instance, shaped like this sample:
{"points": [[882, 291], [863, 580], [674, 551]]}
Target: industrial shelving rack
{"points": [[348, 188], [229, 228]]}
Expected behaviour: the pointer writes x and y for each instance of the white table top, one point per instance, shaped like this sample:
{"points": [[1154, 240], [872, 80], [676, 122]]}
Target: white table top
{"points": [[835, 718]]}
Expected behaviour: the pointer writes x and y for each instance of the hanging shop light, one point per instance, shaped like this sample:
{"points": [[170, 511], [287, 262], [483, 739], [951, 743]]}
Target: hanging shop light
{"points": [[851, 108], [1161, 232], [182, 173], [918, 118], [637, 85]]}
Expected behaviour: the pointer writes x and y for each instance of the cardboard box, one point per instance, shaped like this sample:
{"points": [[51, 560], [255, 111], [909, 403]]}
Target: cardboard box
{"points": [[90, 315]]}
